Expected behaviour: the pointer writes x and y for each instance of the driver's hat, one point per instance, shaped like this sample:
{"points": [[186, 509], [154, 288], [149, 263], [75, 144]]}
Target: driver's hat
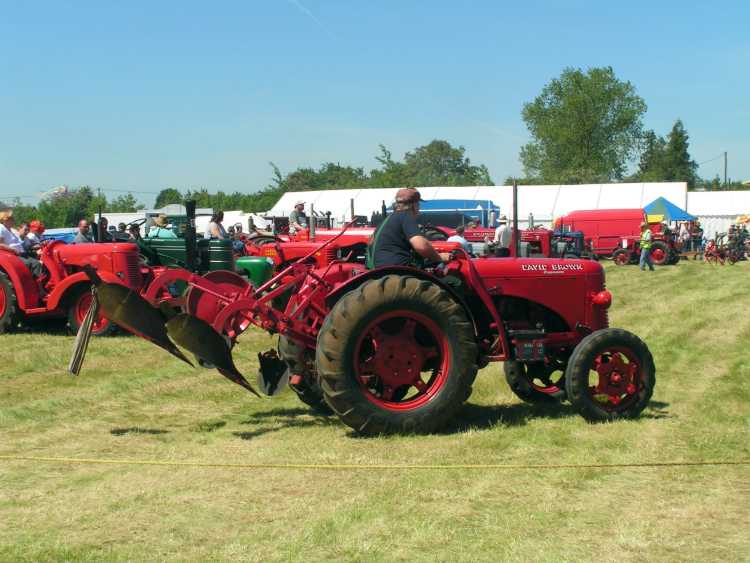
{"points": [[408, 195]]}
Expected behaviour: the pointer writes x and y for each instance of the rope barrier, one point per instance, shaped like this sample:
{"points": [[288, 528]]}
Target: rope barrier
{"points": [[345, 466]]}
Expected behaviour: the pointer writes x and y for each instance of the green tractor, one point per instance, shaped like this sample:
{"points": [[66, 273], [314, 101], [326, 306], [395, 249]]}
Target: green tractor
{"points": [[200, 256]]}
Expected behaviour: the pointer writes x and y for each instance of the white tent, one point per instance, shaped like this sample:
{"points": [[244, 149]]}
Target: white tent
{"points": [[543, 202], [718, 210]]}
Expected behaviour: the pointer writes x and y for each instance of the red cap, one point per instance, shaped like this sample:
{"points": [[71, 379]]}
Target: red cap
{"points": [[407, 195]]}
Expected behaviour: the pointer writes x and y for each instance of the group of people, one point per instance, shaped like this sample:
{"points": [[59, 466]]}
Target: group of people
{"points": [[25, 242], [93, 232]]}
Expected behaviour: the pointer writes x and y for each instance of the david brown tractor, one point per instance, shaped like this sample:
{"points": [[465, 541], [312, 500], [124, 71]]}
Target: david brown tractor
{"points": [[64, 289], [397, 349]]}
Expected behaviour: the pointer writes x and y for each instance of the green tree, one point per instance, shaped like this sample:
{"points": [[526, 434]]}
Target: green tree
{"points": [[125, 203], [651, 167], [678, 164], [667, 160], [167, 196], [435, 164], [66, 209], [585, 127]]}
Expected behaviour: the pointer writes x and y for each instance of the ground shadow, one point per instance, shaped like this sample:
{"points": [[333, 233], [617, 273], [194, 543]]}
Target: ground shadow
{"points": [[136, 430], [282, 418], [657, 410], [479, 417]]}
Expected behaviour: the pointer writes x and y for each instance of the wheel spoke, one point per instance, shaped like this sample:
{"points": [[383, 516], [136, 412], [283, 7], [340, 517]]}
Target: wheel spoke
{"points": [[420, 385], [407, 331], [387, 392]]}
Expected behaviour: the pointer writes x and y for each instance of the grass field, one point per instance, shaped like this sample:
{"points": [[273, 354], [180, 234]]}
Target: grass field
{"points": [[134, 401]]}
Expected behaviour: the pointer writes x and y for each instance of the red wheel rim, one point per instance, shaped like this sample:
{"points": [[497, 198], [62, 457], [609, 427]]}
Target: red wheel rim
{"points": [[545, 384], [615, 379], [621, 259], [82, 307], [2, 301], [402, 360], [658, 256]]}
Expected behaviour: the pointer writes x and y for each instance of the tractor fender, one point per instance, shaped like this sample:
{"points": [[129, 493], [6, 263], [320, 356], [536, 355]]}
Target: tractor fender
{"points": [[27, 290], [377, 273], [72, 283]]}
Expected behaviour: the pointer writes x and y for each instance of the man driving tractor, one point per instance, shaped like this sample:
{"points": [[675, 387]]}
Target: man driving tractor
{"points": [[398, 237]]}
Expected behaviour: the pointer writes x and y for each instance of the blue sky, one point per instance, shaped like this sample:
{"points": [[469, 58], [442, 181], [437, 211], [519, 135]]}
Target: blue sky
{"points": [[146, 95]]}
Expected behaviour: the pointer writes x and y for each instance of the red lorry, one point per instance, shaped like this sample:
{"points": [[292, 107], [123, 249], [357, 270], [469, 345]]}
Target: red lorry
{"points": [[614, 233]]}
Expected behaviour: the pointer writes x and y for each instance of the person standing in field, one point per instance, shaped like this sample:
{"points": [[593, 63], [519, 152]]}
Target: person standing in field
{"points": [[645, 248], [502, 237]]}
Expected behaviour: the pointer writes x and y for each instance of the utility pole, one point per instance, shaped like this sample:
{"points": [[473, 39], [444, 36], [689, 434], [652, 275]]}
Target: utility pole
{"points": [[725, 168]]}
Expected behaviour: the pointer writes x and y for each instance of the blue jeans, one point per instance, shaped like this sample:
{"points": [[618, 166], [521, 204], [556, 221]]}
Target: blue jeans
{"points": [[646, 259]]}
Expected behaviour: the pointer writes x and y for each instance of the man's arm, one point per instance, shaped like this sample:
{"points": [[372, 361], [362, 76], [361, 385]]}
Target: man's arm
{"points": [[423, 247]]}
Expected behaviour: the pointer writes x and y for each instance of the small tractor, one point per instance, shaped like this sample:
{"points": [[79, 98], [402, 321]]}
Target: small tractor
{"points": [[397, 349], [663, 251], [64, 289]]}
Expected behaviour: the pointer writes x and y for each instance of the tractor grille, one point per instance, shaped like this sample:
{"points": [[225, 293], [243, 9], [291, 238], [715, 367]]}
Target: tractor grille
{"points": [[330, 254], [133, 271]]}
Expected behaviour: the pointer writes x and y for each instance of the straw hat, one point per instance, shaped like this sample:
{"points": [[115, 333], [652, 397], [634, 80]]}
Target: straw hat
{"points": [[161, 220]]}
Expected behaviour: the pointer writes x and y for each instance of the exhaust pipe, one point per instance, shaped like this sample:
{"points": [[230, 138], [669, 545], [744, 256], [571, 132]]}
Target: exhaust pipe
{"points": [[190, 242], [312, 222], [516, 238]]}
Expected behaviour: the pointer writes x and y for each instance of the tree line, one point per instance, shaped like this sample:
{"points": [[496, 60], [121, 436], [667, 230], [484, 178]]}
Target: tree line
{"points": [[585, 127]]}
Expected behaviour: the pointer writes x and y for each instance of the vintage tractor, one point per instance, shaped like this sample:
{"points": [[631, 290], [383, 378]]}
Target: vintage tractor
{"points": [[663, 251], [396, 349], [64, 290]]}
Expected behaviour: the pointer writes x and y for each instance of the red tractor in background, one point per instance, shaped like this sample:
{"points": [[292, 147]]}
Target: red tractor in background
{"points": [[351, 244], [614, 233], [64, 290]]}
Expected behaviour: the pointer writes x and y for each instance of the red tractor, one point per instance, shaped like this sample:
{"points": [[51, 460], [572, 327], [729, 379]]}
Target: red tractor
{"points": [[350, 244], [396, 349], [64, 290]]}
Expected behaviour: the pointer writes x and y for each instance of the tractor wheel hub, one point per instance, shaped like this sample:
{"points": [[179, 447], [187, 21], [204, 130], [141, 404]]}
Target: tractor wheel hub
{"points": [[397, 362]]}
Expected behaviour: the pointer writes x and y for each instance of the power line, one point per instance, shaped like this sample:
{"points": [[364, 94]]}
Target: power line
{"points": [[711, 159]]}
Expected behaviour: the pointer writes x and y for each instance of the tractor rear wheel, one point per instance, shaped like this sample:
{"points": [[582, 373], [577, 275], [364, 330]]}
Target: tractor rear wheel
{"points": [[397, 354], [660, 253], [308, 389], [534, 382], [621, 257], [610, 375], [8, 304], [79, 306]]}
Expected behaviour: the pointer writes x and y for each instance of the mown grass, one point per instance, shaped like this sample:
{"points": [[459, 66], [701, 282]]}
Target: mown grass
{"points": [[134, 401]]}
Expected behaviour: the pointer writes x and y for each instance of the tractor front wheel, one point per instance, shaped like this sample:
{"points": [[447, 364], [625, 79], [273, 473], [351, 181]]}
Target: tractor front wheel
{"points": [[79, 306], [308, 389], [621, 257], [660, 253], [610, 375], [397, 354], [8, 304], [535, 382]]}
